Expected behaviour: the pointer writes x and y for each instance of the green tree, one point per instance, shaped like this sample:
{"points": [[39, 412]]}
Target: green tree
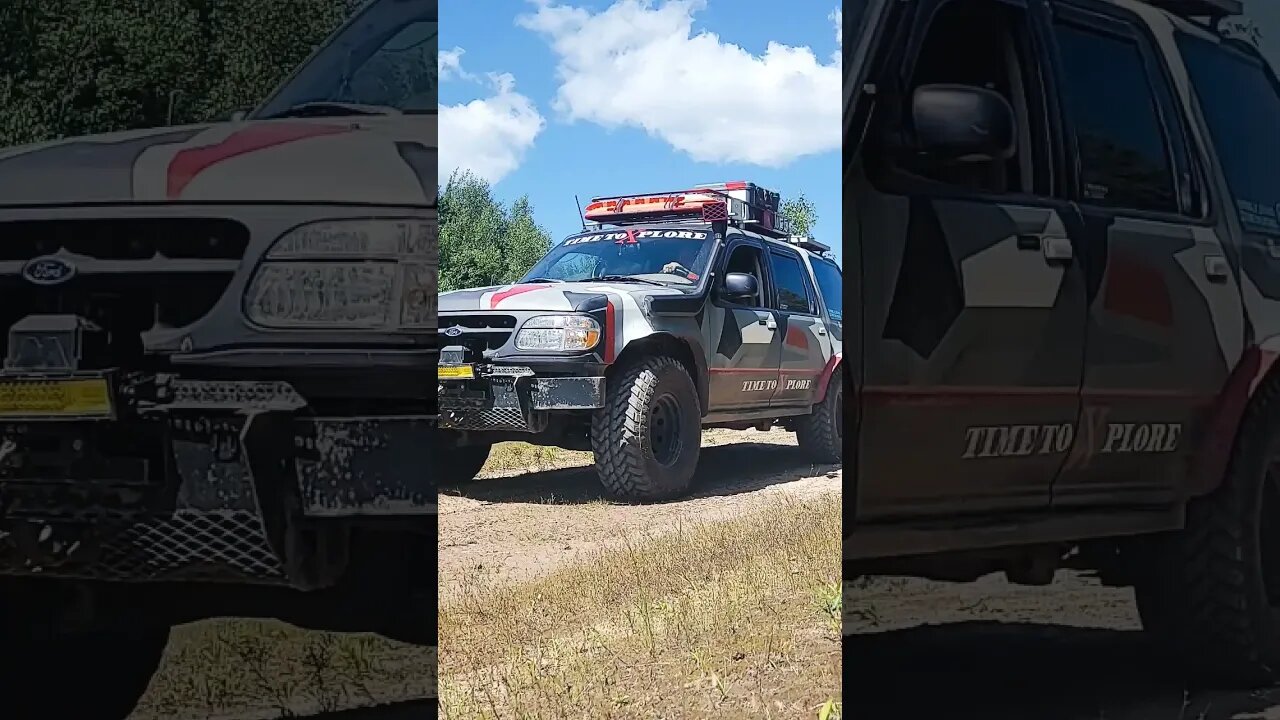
{"points": [[801, 212], [482, 242], [77, 67]]}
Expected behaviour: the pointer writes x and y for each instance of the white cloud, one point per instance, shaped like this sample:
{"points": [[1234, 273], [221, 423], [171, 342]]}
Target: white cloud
{"points": [[837, 17], [488, 136], [637, 64], [451, 65]]}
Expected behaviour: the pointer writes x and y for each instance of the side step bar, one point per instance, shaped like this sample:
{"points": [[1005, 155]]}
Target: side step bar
{"points": [[872, 541]]}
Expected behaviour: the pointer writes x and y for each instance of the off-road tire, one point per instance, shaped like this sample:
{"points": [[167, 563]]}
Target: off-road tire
{"points": [[621, 431], [461, 463], [94, 676], [1203, 592], [820, 434]]}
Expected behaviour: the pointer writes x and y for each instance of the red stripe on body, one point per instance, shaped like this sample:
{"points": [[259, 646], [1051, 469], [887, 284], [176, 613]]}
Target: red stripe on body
{"points": [[610, 338], [796, 338], [187, 164], [512, 291]]}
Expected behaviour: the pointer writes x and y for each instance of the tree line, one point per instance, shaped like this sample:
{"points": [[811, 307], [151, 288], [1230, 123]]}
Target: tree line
{"points": [[78, 67], [485, 242]]}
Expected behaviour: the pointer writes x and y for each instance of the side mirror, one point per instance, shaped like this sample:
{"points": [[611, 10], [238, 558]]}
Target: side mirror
{"points": [[963, 123], [738, 286]]}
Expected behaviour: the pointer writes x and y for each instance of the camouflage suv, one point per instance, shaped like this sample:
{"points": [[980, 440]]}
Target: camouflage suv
{"points": [[217, 344], [1067, 244], [672, 312]]}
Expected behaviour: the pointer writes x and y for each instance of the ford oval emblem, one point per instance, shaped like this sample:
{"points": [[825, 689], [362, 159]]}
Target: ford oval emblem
{"points": [[48, 270], [454, 331]]}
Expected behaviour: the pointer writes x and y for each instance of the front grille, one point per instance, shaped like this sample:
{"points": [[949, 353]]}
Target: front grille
{"points": [[207, 545], [131, 276], [494, 419], [480, 333]]}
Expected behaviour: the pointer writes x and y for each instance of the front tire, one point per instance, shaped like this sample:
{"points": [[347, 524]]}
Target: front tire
{"points": [[97, 675], [820, 434], [1210, 594], [648, 436]]}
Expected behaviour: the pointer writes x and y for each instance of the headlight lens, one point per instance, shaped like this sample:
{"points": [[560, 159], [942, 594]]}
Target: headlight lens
{"points": [[352, 274], [558, 333]]}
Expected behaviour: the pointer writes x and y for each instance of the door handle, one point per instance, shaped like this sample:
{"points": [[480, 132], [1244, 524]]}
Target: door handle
{"points": [[1216, 267], [820, 329], [1056, 249], [771, 323]]}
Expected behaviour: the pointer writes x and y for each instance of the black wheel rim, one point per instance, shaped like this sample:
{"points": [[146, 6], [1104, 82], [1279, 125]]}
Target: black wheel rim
{"points": [[665, 426]]}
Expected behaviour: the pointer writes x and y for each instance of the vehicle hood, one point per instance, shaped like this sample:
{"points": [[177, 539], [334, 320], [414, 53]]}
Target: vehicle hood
{"points": [[386, 161], [544, 296]]}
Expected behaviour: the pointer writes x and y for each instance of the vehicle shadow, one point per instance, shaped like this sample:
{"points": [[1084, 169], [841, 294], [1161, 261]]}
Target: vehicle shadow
{"points": [[407, 710], [723, 470], [1017, 671]]}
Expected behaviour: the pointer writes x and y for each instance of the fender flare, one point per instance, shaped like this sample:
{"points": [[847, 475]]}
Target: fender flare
{"points": [[824, 380], [1255, 365]]}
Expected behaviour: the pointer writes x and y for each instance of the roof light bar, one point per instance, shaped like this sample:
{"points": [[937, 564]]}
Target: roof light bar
{"points": [[741, 203]]}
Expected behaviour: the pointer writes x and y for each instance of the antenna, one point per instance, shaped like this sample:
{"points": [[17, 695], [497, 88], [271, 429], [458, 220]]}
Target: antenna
{"points": [[581, 217]]}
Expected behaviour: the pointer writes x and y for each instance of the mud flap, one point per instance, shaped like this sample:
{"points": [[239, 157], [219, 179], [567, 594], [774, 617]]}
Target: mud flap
{"points": [[365, 467]]}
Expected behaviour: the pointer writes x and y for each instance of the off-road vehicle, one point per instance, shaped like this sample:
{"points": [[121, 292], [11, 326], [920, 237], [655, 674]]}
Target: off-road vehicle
{"points": [[1064, 233], [668, 313], [217, 347]]}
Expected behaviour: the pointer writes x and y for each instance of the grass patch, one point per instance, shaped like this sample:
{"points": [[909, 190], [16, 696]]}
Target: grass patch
{"points": [[732, 619], [517, 457], [251, 668]]}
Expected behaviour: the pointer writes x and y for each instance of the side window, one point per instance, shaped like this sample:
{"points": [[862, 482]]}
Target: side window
{"points": [[831, 285], [746, 259], [792, 290], [1124, 146], [1240, 99], [1000, 55]]}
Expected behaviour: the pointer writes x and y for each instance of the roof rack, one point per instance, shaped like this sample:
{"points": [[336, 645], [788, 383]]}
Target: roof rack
{"points": [[808, 243], [1213, 9], [742, 204]]}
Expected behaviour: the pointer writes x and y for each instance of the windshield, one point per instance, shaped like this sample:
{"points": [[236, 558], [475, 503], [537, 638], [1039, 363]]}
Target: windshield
{"points": [[382, 62], [676, 256]]}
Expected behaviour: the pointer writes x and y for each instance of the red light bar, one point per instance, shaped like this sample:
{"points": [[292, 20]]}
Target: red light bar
{"points": [[687, 202]]}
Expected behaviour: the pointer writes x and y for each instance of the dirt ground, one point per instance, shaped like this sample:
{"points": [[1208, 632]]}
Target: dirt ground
{"points": [[557, 602], [515, 524], [1068, 651]]}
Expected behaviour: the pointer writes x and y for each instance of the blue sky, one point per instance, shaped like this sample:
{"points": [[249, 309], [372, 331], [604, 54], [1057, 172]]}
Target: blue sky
{"points": [[553, 98]]}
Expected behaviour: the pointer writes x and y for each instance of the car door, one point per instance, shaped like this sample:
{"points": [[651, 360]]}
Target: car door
{"points": [[1165, 322], [805, 339], [972, 288], [742, 334]]}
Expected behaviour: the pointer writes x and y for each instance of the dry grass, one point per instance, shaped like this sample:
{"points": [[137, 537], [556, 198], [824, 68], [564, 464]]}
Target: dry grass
{"points": [[511, 458], [263, 669], [739, 618]]}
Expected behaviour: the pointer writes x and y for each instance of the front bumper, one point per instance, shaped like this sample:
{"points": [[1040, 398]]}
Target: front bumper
{"points": [[508, 397], [182, 479]]}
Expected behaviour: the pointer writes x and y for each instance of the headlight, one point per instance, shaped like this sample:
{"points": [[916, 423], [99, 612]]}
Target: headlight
{"points": [[349, 274], [558, 333]]}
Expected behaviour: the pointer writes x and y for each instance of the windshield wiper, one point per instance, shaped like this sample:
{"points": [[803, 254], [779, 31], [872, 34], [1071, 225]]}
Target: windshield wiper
{"points": [[325, 108], [630, 278], [541, 280]]}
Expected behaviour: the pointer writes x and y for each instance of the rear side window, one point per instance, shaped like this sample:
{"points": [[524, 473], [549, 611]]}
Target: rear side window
{"points": [[831, 286], [792, 290], [1124, 149], [1241, 104]]}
